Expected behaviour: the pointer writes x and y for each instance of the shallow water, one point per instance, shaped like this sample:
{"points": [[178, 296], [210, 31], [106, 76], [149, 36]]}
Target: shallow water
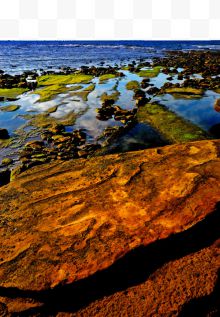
{"points": [[199, 111]]}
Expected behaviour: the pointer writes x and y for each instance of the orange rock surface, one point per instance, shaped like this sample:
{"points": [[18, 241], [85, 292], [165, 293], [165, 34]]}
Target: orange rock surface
{"points": [[63, 225]]}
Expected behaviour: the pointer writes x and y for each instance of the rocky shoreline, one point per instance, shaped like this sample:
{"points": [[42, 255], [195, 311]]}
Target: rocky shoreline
{"points": [[53, 142], [87, 230]]}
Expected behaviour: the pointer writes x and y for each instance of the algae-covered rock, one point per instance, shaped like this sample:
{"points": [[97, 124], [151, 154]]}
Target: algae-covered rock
{"points": [[106, 77], [172, 128], [7, 161], [150, 73], [133, 85], [10, 108], [12, 93]]}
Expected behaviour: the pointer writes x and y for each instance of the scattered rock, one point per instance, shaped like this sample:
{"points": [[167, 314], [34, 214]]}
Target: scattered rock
{"points": [[7, 161], [4, 177], [10, 108], [4, 134], [217, 105]]}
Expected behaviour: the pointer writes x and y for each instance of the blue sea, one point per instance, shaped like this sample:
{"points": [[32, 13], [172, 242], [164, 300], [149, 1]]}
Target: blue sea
{"points": [[18, 56]]}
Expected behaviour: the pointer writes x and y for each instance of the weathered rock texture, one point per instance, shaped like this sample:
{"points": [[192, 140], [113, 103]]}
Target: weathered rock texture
{"points": [[125, 235]]}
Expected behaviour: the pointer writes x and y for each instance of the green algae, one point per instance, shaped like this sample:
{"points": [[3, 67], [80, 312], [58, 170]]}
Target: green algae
{"points": [[44, 120], [49, 92], [185, 91], [185, 96], [12, 92], [132, 85], [85, 92], [105, 77], [114, 96], [9, 108], [55, 79], [150, 73], [4, 143], [75, 88], [172, 127], [52, 109], [41, 120], [54, 85]]}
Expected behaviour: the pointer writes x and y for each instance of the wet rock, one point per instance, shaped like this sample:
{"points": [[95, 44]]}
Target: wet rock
{"points": [[153, 90], [60, 139], [9, 108], [142, 102], [215, 130], [79, 137], [7, 161], [217, 105], [180, 77], [105, 113], [4, 177], [11, 99], [139, 94], [56, 128], [170, 78], [4, 134], [34, 145]]}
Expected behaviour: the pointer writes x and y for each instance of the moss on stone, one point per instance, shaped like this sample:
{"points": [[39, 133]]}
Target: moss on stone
{"points": [[12, 92], [172, 127], [48, 80], [184, 91], [49, 92], [9, 108], [4, 143], [133, 85], [54, 85], [105, 77], [75, 88], [52, 109], [150, 73], [185, 96], [44, 120], [114, 96], [85, 92]]}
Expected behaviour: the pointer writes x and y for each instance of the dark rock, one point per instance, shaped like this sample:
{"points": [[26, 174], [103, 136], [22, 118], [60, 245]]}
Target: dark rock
{"points": [[4, 134], [153, 90], [5, 177]]}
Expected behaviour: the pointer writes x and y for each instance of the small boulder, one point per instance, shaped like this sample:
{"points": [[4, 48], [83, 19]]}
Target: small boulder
{"points": [[7, 161], [5, 177], [4, 134], [217, 105]]}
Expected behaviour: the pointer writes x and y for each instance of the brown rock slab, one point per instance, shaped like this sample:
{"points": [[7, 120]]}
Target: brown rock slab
{"points": [[63, 222]]}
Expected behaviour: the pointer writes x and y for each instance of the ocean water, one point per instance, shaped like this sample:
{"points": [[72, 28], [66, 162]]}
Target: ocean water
{"points": [[18, 56]]}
